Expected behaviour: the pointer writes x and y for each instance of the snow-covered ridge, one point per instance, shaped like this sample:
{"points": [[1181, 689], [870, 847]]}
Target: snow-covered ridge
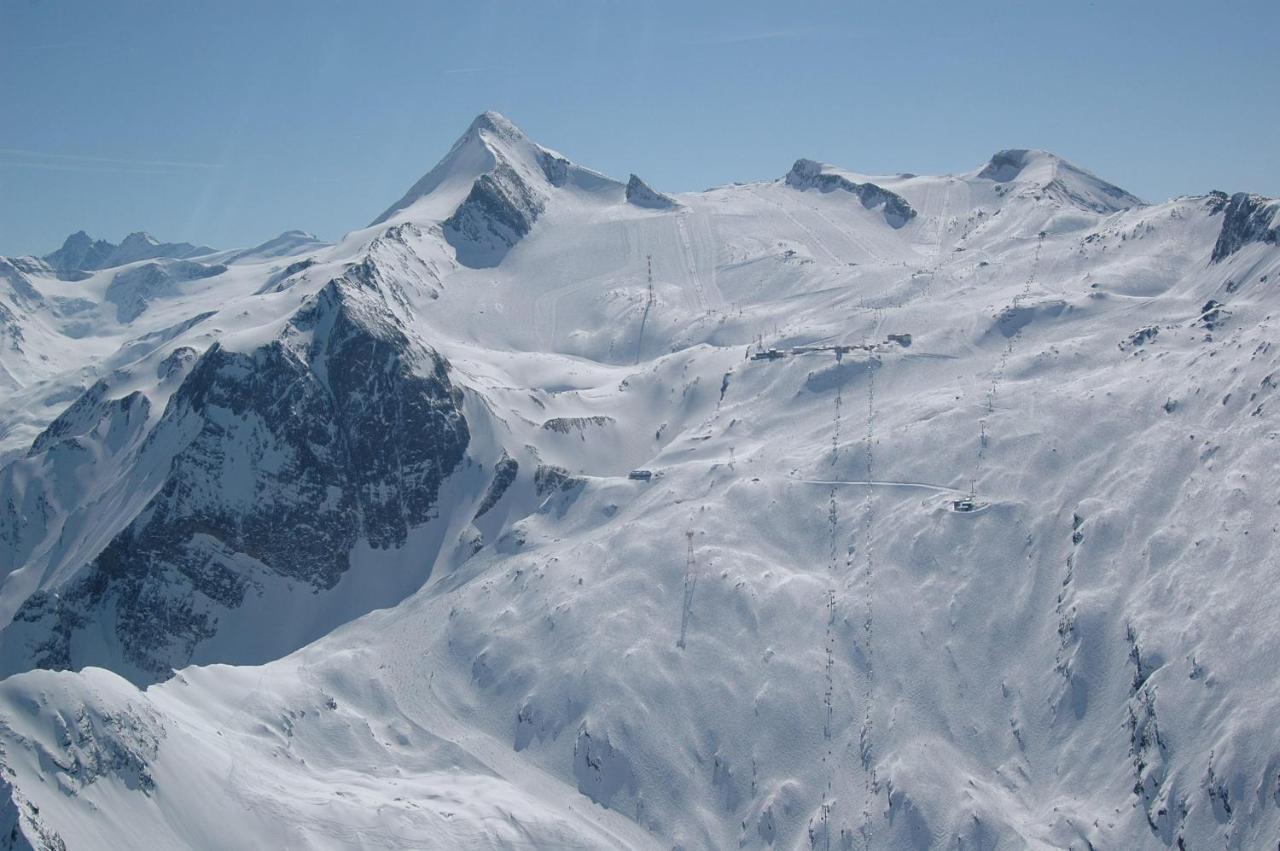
{"points": [[535, 515], [808, 174]]}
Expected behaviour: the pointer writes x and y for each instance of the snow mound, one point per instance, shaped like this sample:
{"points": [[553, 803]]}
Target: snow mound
{"points": [[1043, 173], [132, 290], [288, 244]]}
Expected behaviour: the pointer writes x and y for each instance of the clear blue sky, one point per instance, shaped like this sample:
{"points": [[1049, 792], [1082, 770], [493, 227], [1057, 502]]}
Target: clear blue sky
{"points": [[226, 122]]}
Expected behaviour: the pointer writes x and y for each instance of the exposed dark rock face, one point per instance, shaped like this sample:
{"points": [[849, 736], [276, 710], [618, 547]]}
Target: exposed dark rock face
{"points": [[567, 425], [500, 209], [641, 194], [807, 174], [1212, 314], [281, 459], [504, 474], [549, 478], [1246, 218], [554, 167], [1140, 338], [561, 172]]}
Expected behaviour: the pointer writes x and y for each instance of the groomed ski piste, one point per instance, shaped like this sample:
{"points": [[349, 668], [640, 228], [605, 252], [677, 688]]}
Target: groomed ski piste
{"points": [[959, 528]]}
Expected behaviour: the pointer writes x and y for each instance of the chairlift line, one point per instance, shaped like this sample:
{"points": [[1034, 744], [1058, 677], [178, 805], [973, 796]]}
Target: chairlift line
{"points": [[971, 503], [865, 738], [648, 305]]}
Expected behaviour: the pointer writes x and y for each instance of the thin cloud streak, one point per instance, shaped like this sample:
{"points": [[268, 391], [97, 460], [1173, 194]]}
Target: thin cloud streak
{"points": [[84, 158], [88, 167]]}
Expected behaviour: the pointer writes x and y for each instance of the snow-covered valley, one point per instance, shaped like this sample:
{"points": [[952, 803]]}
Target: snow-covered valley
{"points": [[554, 510]]}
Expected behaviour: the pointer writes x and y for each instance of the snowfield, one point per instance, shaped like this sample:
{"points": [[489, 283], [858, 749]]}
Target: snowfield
{"points": [[959, 527]]}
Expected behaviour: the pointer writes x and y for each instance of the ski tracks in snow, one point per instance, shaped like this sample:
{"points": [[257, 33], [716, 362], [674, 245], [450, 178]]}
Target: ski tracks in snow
{"points": [[816, 240], [706, 292]]}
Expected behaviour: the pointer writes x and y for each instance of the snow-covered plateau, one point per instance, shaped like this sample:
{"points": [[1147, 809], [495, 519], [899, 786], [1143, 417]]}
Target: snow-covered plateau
{"points": [[556, 511]]}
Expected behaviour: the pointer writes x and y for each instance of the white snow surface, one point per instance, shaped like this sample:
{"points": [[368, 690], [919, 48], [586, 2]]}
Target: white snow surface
{"points": [[789, 637]]}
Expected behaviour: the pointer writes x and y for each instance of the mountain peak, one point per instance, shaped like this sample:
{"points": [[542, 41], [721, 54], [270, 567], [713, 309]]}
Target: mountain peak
{"points": [[492, 153], [472, 155], [1009, 164], [82, 252], [1045, 174], [495, 122], [138, 239]]}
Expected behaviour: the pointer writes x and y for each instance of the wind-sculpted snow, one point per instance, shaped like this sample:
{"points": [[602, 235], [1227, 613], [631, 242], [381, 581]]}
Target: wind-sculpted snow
{"points": [[133, 289], [844, 511]]}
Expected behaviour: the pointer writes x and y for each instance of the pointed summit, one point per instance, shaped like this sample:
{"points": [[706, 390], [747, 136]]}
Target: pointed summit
{"points": [[496, 123], [490, 188], [470, 157], [1043, 174], [82, 252]]}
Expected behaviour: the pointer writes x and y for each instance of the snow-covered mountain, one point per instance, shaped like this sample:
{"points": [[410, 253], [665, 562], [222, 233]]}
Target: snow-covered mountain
{"points": [[82, 252], [549, 510]]}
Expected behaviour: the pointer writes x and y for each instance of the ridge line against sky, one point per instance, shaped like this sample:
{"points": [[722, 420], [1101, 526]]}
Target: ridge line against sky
{"points": [[229, 123]]}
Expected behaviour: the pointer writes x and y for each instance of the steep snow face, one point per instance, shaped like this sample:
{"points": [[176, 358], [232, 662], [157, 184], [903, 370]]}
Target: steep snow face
{"points": [[945, 533], [359, 773], [1048, 175]]}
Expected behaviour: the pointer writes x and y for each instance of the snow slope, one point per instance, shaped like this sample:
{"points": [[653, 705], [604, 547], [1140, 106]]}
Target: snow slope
{"points": [[962, 506]]}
